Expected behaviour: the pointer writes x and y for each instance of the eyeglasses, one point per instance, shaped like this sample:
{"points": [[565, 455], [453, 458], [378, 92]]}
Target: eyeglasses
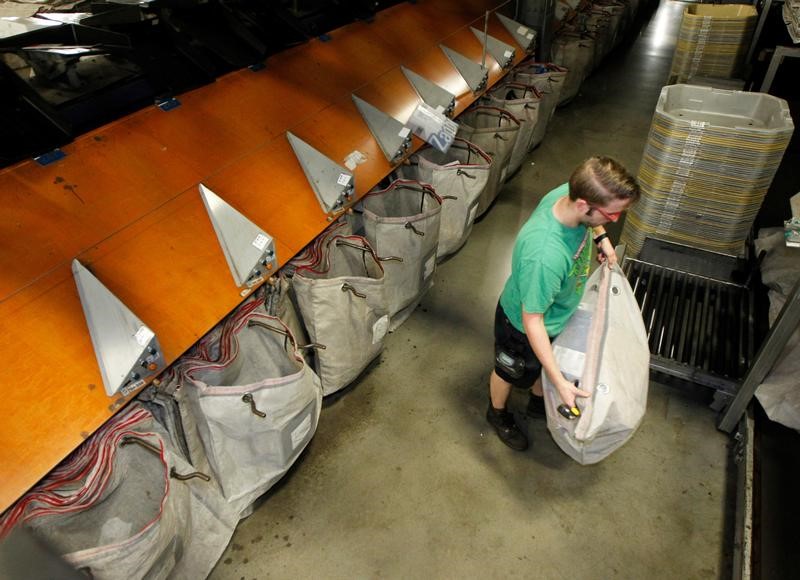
{"points": [[610, 216]]}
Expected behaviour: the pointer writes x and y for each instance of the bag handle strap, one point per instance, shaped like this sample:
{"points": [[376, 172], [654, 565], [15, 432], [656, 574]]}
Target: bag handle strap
{"points": [[129, 439]]}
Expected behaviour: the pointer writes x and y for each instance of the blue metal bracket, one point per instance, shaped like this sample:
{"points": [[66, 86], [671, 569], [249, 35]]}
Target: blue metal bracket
{"points": [[50, 157], [168, 104]]}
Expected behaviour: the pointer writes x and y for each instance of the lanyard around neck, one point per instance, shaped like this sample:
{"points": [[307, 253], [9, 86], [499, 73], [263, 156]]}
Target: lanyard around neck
{"points": [[582, 246]]}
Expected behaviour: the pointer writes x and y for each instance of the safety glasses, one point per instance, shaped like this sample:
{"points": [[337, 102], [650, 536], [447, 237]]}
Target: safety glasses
{"points": [[610, 216]]}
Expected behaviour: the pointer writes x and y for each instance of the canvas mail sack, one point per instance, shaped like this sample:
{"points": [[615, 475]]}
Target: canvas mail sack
{"points": [[604, 348]]}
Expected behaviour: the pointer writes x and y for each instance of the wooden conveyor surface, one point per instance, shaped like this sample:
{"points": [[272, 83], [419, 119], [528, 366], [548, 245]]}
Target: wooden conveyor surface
{"points": [[124, 201]]}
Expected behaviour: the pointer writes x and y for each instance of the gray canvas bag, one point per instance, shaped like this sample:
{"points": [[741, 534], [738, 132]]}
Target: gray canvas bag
{"points": [[343, 304], [523, 101], [459, 177], [495, 131], [548, 80], [604, 347], [256, 406], [598, 24], [126, 505], [575, 52], [403, 221]]}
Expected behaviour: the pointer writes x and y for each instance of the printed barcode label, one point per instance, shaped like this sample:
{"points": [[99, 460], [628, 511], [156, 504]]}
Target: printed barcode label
{"points": [[261, 242], [344, 179]]}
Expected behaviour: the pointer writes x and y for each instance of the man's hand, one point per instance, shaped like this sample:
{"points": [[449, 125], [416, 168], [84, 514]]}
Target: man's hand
{"points": [[568, 392], [606, 254]]}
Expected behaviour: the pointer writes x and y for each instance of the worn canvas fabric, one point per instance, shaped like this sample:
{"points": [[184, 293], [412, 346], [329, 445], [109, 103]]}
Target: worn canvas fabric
{"points": [[575, 52], [117, 507], [598, 24], [523, 101], [604, 347], [548, 79], [403, 221], [342, 300], [495, 131], [256, 406], [458, 177]]}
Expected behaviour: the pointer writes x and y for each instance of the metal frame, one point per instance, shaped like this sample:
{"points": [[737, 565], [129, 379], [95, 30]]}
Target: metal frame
{"points": [[503, 53], [770, 350], [332, 184], [474, 74], [249, 250], [523, 35], [127, 351], [775, 62], [393, 137], [431, 93], [744, 457]]}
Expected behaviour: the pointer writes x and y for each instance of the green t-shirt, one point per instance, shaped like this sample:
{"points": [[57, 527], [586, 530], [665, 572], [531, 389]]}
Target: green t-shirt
{"points": [[546, 276]]}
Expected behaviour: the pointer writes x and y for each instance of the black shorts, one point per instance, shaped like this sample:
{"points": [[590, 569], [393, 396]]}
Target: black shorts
{"points": [[514, 360]]}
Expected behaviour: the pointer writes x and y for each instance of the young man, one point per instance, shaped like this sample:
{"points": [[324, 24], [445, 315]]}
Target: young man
{"points": [[549, 267]]}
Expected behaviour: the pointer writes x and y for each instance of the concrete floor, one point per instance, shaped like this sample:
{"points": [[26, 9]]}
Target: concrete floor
{"points": [[404, 478]]}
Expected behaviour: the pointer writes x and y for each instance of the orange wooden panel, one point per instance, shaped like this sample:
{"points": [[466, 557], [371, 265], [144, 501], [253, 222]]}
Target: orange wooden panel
{"points": [[125, 202]]}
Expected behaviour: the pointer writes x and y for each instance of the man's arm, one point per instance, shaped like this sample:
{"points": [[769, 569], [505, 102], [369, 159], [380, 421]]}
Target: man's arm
{"points": [[540, 343], [605, 250]]}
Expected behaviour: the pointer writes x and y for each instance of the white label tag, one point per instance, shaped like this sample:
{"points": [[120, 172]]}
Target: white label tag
{"points": [[344, 179], [261, 242], [430, 265], [129, 388], [678, 187], [353, 159], [432, 126], [404, 132], [143, 336], [299, 433], [529, 36], [379, 329], [698, 124], [522, 30], [508, 54]]}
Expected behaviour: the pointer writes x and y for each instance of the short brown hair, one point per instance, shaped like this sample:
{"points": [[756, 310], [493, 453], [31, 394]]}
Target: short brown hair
{"points": [[601, 180]]}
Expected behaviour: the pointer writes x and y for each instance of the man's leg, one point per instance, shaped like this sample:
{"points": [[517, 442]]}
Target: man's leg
{"points": [[536, 402], [499, 417], [536, 389], [499, 390]]}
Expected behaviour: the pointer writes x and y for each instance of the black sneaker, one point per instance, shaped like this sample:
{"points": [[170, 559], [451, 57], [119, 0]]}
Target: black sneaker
{"points": [[506, 428], [535, 408]]}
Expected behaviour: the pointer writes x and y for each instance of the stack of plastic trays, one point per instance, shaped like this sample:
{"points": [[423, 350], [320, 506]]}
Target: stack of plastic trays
{"points": [[712, 41], [709, 160]]}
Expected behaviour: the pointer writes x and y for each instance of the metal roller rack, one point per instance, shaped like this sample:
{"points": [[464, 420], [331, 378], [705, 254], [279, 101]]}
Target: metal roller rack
{"points": [[701, 324]]}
